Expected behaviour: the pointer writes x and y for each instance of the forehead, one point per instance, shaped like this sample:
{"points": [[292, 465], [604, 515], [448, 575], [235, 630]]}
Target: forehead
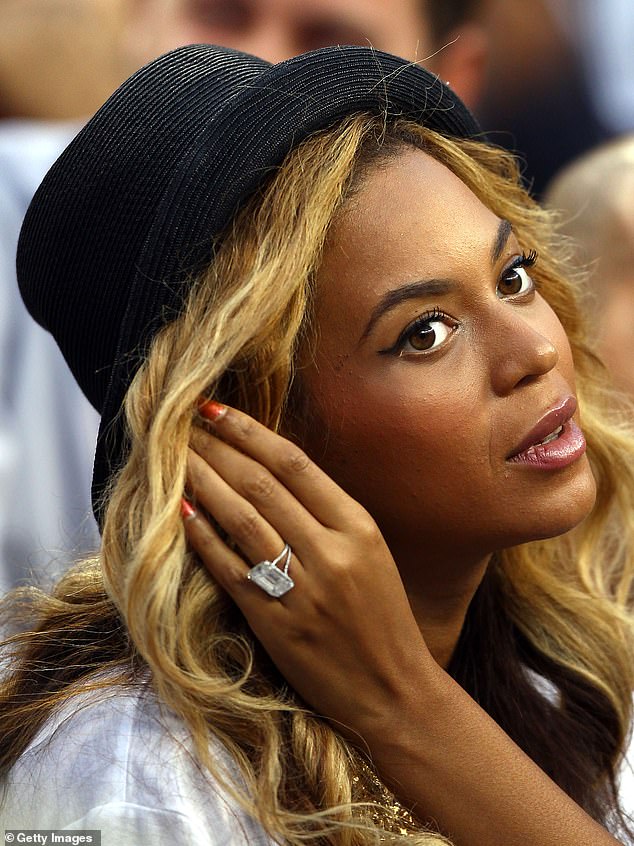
{"points": [[396, 26], [411, 219], [368, 11]]}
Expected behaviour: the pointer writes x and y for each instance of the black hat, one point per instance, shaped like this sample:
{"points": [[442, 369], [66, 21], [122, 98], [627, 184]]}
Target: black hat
{"points": [[129, 211]]}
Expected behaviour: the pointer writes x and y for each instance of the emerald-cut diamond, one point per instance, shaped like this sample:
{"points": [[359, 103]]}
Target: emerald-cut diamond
{"points": [[270, 578]]}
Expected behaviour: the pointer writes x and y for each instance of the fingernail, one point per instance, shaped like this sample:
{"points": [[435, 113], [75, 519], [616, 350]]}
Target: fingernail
{"points": [[188, 512], [212, 410]]}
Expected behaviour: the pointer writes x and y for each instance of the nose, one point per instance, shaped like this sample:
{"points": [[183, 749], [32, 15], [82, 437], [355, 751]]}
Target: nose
{"points": [[520, 354]]}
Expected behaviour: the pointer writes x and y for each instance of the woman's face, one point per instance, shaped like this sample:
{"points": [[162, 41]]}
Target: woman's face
{"points": [[436, 360]]}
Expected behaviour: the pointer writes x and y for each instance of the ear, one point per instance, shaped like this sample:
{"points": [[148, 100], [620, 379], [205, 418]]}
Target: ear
{"points": [[462, 62]]}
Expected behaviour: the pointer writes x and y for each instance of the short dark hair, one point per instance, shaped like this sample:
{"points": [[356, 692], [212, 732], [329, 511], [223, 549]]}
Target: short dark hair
{"points": [[446, 15]]}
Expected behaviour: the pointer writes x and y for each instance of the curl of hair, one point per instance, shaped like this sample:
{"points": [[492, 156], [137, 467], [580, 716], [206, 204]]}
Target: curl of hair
{"points": [[560, 608]]}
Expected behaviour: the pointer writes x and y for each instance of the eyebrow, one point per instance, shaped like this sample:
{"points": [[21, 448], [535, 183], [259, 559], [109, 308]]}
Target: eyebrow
{"points": [[414, 291], [502, 236], [429, 287]]}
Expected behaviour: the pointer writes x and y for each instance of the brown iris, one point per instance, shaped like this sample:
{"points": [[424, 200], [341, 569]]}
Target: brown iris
{"points": [[512, 283], [422, 338]]}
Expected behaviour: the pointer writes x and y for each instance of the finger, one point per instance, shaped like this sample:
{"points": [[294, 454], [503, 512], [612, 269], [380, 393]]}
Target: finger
{"points": [[258, 486], [317, 492], [255, 536], [224, 565]]}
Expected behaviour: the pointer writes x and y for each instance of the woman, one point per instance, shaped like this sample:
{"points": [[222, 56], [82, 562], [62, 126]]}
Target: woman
{"points": [[318, 300]]}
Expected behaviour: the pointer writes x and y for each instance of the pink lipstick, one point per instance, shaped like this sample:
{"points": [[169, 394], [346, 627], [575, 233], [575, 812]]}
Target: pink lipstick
{"points": [[554, 442]]}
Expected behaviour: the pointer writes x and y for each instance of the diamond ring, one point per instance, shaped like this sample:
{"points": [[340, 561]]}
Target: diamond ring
{"points": [[268, 576]]}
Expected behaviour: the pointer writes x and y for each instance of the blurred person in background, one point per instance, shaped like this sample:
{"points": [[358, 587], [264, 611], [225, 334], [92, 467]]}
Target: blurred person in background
{"points": [[603, 31], [47, 427], [536, 100], [447, 36], [59, 60], [595, 195]]}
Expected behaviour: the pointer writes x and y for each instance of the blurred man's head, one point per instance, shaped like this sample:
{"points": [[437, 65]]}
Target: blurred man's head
{"points": [[62, 58], [595, 195], [278, 29]]}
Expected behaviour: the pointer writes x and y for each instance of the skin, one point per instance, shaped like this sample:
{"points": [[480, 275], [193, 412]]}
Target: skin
{"points": [[60, 59], [278, 29], [395, 426], [616, 341]]}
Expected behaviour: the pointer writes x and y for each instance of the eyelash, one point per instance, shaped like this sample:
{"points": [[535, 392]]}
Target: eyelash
{"points": [[422, 320], [524, 260]]}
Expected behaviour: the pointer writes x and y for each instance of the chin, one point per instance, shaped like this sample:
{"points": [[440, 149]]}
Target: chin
{"points": [[559, 511]]}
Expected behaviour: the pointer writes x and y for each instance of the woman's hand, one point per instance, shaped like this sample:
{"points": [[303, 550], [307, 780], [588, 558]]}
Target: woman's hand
{"points": [[346, 640], [344, 636]]}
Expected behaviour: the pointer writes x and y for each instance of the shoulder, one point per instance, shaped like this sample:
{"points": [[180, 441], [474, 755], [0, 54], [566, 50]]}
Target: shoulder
{"points": [[115, 760], [27, 150], [31, 146]]}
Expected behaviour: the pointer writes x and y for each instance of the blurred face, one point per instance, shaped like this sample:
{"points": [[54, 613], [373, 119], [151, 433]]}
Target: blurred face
{"points": [[278, 29], [441, 389], [616, 326], [43, 46]]}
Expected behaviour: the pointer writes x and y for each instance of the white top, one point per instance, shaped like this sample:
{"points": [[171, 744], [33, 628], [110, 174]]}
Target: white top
{"points": [[47, 427], [114, 761]]}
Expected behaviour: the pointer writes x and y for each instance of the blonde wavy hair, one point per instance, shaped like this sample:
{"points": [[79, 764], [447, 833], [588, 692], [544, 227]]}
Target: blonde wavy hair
{"points": [[147, 602]]}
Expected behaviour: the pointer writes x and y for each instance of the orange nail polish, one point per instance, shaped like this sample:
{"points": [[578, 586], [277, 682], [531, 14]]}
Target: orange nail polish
{"points": [[188, 512], [212, 410]]}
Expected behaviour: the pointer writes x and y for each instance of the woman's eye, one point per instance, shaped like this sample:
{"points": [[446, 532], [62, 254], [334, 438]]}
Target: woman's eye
{"points": [[424, 336], [516, 280], [427, 336]]}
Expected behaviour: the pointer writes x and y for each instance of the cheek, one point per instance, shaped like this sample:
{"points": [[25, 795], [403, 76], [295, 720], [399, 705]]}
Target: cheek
{"points": [[397, 440]]}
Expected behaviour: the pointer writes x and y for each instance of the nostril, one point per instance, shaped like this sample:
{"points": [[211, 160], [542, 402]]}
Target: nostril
{"points": [[528, 379]]}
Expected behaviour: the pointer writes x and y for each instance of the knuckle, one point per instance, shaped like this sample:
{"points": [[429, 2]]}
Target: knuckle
{"points": [[244, 524], [294, 460], [342, 571], [367, 530], [233, 578], [243, 428], [259, 485]]}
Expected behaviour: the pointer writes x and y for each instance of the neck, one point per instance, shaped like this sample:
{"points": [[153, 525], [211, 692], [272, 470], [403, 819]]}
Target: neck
{"points": [[439, 594]]}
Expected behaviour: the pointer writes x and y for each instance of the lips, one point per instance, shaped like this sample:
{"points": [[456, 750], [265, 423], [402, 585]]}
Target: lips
{"points": [[553, 443]]}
